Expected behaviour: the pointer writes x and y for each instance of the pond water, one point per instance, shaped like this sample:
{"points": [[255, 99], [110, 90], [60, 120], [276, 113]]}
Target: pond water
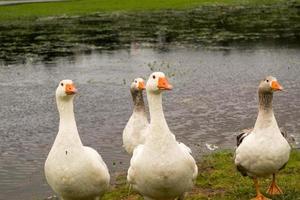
{"points": [[47, 38], [214, 96]]}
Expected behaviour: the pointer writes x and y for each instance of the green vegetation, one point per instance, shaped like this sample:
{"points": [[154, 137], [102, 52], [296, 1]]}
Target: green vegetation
{"points": [[83, 7], [45, 39], [28, 34], [219, 180]]}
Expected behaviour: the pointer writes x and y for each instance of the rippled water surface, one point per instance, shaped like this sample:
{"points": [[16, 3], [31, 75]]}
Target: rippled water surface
{"points": [[214, 97]]}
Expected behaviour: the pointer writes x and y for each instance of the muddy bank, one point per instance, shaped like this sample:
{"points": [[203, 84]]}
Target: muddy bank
{"points": [[207, 26]]}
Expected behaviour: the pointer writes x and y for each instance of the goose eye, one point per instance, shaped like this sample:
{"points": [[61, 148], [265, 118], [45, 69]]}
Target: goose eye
{"points": [[153, 76], [62, 84], [135, 81], [267, 80]]}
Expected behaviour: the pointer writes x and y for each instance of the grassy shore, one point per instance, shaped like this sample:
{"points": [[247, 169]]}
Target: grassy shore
{"points": [[83, 7], [219, 180], [45, 31]]}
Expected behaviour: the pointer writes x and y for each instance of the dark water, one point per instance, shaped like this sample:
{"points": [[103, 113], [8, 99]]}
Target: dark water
{"points": [[48, 38], [214, 97]]}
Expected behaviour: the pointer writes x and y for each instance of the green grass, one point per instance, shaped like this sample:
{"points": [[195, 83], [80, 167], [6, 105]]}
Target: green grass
{"points": [[82, 7], [219, 180]]}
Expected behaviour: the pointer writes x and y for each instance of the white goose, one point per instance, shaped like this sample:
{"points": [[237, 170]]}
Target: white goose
{"points": [[134, 132], [74, 171], [263, 151], [161, 169]]}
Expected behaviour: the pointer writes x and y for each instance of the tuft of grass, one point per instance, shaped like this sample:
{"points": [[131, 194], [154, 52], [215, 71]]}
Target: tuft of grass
{"points": [[83, 7], [219, 180], [121, 190]]}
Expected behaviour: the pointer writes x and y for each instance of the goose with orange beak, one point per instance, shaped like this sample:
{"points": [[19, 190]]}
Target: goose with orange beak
{"points": [[72, 170], [161, 169], [134, 132], [263, 151]]}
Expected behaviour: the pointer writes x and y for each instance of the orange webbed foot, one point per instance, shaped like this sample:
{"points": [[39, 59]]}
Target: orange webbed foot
{"points": [[260, 197], [274, 189]]}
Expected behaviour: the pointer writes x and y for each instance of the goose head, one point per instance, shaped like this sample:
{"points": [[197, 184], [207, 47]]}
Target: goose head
{"points": [[158, 82], [269, 85], [138, 84], [65, 90]]}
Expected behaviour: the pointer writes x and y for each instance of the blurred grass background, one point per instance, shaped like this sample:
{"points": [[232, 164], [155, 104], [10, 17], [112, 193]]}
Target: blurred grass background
{"points": [[82, 7]]}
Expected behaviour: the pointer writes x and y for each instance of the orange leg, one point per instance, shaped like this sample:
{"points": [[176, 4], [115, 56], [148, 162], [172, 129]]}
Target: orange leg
{"points": [[274, 189], [259, 195]]}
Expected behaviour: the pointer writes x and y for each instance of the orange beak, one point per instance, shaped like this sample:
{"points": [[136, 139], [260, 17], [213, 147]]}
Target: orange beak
{"points": [[141, 86], [276, 86], [163, 84], [70, 89]]}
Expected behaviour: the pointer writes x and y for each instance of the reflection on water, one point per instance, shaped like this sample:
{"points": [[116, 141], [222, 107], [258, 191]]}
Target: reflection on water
{"points": [[214, 97], [48, 38]]}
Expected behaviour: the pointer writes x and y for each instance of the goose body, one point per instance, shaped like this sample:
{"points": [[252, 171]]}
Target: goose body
{"points": [[134, 132], [162, 168], [263, 150], [74, 171]]}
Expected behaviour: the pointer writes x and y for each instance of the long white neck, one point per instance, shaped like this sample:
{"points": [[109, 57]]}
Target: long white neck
{"points": [[157, 117], [265, 116], [68, 133], [160, 135]]}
